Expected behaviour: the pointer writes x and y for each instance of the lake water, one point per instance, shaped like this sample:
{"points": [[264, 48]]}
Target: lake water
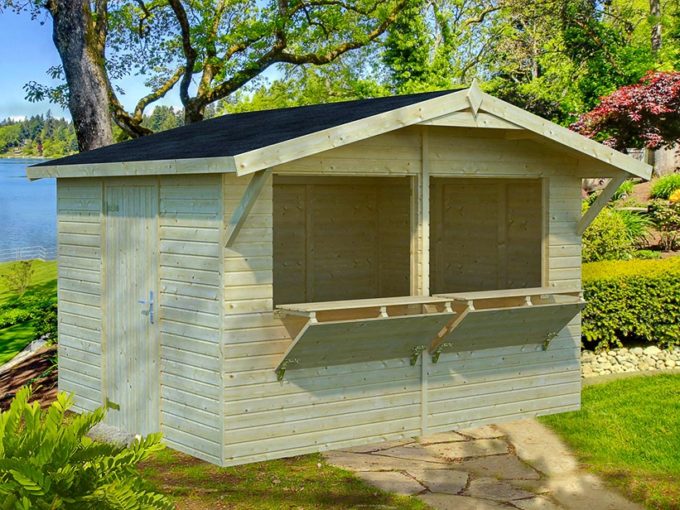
{"points": [[28, 210]]}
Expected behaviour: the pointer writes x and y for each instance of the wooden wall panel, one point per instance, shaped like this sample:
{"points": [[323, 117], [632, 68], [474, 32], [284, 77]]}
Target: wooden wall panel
{"points": [[485, 234], [342, 239], [79, 210], [190, 313]]}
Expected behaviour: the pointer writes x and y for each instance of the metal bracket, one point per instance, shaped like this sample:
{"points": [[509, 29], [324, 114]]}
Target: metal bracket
{"points": [[280, 372], [438, 351], [548, 339], [415, 352], [150, 311]]}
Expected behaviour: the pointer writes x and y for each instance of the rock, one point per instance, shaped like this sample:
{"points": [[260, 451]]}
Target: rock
{"points": [[637, 351], [670, 363], [446, 481], [643, 366], [652, 350], [391, 481], [474, 448], [498, 490], [587, 355]]}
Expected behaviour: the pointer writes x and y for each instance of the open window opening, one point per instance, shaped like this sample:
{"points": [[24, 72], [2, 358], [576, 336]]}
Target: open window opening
{"points": [[485, 234], [341, 238]]}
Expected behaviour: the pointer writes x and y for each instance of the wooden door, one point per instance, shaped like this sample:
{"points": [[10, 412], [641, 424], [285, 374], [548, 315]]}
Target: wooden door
{"points": [[131, 348]]}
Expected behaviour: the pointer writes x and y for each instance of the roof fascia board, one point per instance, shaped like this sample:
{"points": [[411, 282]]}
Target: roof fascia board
{"points": [[562, 135], [223, 164], [331, 138]]}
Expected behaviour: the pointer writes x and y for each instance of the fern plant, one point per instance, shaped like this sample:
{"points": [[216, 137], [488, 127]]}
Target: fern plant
{"points": [[47, 461]]}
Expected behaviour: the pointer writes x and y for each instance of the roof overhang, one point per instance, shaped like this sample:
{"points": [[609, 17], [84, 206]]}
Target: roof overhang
{"points": [[465, 108]]}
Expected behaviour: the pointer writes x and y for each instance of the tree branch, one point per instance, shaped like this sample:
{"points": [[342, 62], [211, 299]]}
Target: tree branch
{"points": [[190, 53], [156, 94]]}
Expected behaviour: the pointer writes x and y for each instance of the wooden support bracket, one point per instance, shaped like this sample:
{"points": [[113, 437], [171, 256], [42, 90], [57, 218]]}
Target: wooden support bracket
{"points": [[601, 202], [475, 97], [240, 214]]}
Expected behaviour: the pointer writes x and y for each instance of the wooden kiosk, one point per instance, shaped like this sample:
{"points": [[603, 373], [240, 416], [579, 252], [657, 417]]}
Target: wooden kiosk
{"points": [[273, 283]]}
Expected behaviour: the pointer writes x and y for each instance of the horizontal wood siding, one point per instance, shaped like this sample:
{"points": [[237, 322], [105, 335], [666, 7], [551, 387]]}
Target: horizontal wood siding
{"points": [[79, 208], [191, 232], [488, 386], [310, 409]]}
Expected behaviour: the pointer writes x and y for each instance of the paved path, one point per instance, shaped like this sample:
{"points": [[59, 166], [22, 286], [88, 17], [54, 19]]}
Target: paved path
{"points": [[517, 465]]}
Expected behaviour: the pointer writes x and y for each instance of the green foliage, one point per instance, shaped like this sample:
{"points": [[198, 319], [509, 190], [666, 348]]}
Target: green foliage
{"points": [[18, 278], [646, 255], [607, 238], [637, 299], [47, 461], [39, 135], [622, 192], [664, 186], [666, 218], [637, 225]]}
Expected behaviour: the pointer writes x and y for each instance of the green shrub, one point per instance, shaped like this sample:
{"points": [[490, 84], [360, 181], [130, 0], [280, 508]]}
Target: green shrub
{"points": [[47, 462], [18, 277], [666, 219], [646, 255], [13, 316], [626, 300], [664, 186], [637, 226], [607, 238]]}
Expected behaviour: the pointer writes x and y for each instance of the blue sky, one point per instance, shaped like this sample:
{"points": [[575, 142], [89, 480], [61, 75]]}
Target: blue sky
{"points": [[26, 52]]}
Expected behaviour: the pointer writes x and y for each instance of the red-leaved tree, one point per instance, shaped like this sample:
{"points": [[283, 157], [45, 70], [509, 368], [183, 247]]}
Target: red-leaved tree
{"points": [[646, 114]]}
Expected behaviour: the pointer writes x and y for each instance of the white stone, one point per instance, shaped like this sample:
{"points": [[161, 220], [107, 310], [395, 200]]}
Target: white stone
{"points": [[637, 351], [446, 481], [652, 350]]}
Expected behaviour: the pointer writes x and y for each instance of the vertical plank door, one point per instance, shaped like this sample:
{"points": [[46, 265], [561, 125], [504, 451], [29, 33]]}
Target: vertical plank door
{"points": [[131, 350]]}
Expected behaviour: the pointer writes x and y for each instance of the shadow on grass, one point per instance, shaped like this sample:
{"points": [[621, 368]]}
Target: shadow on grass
{"points": [[298, 482], [14, 339]]}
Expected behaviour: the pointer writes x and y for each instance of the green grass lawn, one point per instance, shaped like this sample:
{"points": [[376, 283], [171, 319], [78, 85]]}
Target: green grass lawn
{"points": [[628, 432], [14, 338], [305, 482]]}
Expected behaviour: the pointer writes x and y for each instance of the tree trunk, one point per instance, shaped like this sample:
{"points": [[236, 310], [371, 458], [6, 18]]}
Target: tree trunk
{"points": [[655, 13], [76, 40]]}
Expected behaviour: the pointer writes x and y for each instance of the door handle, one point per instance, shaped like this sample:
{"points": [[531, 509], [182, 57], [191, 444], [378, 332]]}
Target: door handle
{"points": [[150, 303]]}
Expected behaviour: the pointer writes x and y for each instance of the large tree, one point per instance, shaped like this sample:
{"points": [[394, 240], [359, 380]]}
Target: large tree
{"points": [[208, 49]]}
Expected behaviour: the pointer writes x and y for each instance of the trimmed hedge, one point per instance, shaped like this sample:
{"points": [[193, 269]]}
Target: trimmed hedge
{"points": [[632, 300]]}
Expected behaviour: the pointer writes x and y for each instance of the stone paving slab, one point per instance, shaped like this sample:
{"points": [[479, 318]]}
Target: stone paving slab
{"points": [[498, 490], [472, 448], [392, 481], [415, 452], [448, 502], [537, 503], [367, 462], [527, 467], [499, 466], [446, 481]]}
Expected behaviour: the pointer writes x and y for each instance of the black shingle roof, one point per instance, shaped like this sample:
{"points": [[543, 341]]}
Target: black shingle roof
{"points": [[234, 134]]}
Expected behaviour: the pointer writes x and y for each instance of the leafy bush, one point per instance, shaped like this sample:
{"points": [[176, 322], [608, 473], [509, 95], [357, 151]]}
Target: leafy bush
{"points": [[47, 462], [637, 226], [40, 308], [18, 277], [675, 197], [666, 218], [13, 316], [664, 186], [637, 299], [607, 238], [646, 255]]}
